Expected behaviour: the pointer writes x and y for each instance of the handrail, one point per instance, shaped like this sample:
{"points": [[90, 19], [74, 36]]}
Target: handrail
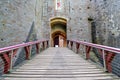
{"points": [[7, 53], [5, 49], [107, 48], [107, 53]]}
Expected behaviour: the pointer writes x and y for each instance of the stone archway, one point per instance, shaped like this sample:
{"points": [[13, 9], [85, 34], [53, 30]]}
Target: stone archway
{"points": [[58, 32]]}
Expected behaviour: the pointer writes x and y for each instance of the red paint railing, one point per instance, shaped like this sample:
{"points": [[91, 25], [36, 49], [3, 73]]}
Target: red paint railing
{"points": [[107, 53], [7, 53]]}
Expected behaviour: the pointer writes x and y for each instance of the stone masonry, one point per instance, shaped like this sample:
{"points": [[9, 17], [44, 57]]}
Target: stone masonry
{"points": [[16, 18], [105, 16], [76, 15]]}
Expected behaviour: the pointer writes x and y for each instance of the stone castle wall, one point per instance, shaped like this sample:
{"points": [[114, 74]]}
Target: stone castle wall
{"points": [[16, 19], [106, 26], [76, 15]]}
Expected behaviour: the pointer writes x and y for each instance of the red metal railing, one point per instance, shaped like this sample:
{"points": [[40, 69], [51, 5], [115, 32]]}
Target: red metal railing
{"points": [[7, 53], [107, 53]]}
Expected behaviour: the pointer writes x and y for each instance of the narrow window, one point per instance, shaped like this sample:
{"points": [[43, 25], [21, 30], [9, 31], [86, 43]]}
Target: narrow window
{"points": [[59, 4]]}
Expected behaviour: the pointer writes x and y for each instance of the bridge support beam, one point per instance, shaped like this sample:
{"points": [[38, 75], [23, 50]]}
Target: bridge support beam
{"points": [[88, 48], [38, 48], [28, 52], [71, 43], [43, 44], [47, 44], [67, 43], [109, 57], [7, 59], [77, 47]]}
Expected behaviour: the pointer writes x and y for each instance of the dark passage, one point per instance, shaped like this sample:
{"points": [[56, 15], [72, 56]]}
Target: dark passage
{"points": [[56, 41]]}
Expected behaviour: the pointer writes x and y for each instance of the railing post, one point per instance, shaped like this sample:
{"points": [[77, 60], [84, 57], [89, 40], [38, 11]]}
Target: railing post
{"points": [[71, 44], [28, 52], [88, 48], [77, 47], [11, 62], [68, 43], [30, 49], [6, 58], [38, 48], [47, 44], [43, 45], [104, 60]]}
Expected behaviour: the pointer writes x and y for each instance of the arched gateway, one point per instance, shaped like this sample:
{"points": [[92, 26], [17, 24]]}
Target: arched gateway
{"points": [[58, 32]]}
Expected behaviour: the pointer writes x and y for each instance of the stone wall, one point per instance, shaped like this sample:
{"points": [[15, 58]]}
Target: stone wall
{"points": [[76, 14], [16, 19], [106, 18], [105, 22], [78, 26]]}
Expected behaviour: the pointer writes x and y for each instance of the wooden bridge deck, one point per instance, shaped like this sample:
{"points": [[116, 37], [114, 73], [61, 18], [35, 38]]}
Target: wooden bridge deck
{"points": [[57, 64]]}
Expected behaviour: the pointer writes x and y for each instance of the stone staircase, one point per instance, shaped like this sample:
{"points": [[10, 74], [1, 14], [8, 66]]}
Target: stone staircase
{"points": [[57, 64]]}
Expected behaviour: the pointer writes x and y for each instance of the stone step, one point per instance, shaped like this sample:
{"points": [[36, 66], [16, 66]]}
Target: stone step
{"points": [[57, 72], [58, 63], [80, 78], [56, 75], [54, 67]]}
